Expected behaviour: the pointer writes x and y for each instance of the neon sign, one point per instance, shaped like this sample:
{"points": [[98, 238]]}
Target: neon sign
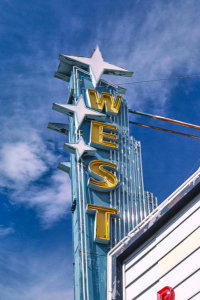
{"points": [[103, 135], [108, 197]]}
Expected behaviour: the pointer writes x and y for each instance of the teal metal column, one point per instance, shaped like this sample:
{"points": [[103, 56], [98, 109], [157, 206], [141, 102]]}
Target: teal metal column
{"points": [[129, 197]]}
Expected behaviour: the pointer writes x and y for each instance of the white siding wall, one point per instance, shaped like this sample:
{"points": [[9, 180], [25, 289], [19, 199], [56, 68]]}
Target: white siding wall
{"points": [[170, 258]]}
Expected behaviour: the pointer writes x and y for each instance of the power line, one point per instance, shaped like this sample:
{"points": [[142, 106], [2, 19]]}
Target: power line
{"points": [[160, 79], [166, 130], [164, 119], [142, 81]]}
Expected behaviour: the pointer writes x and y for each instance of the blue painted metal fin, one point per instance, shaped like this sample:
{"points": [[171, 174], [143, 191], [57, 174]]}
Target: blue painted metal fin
{"points": [[64, 166], [61, 76], [61, 108], [59, 127]]}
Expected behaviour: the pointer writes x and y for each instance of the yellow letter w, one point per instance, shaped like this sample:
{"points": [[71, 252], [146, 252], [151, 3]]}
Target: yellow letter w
{"points": [[112, 106]]}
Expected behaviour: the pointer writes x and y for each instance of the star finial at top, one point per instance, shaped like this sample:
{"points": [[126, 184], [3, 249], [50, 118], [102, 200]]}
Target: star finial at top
{"points": [[95, 64]]}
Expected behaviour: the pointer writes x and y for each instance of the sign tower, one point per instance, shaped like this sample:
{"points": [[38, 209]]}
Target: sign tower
{"points": [[105, 167]]}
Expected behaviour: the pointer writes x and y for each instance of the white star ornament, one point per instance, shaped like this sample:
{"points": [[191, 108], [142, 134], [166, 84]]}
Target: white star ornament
{"points": [[80, 149], [80, 111], [95, 64]]}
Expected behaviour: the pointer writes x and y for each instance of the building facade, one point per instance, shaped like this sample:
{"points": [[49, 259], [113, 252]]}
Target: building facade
{"points": [[160, 258]]}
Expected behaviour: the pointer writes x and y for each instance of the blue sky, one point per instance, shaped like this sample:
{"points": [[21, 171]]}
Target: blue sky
{"points": [[155, 39]]}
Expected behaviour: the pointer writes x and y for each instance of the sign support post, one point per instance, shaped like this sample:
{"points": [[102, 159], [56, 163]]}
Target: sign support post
{"points": [[108, 197]]}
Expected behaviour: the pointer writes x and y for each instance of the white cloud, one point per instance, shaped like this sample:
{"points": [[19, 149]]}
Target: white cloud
{"points": [[20, 163], [52, 201], [161, 40], [155, 39], [5, 231], [30, 274], [23, 165], [24, 157]]}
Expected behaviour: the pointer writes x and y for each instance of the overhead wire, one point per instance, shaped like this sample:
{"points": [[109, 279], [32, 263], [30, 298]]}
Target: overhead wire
{"points": [[160, 79], [164, 119], [166, 130]]}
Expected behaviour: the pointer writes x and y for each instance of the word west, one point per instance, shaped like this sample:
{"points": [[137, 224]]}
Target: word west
{"points": [[103, 136]]}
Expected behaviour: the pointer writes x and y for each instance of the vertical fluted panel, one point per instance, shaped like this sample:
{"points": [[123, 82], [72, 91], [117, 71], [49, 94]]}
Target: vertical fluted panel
{"points": [[133, 203], [130, 198]]}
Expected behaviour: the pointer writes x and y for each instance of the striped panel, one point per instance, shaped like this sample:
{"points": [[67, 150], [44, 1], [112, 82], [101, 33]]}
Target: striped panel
{"points": [[174, 257], [170, 258], [188, 287], [195, 297], [156, 251]]}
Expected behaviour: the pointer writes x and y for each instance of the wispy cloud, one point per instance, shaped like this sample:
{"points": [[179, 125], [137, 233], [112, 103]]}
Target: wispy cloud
{"points": [[159, 41], [20, 163], [5, 231], [29, 274], [28, 174], [24, 154], [51, 201]]}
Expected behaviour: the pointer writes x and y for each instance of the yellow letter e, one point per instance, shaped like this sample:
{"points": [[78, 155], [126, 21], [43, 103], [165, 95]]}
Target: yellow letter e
{"points": [[101, 137]]}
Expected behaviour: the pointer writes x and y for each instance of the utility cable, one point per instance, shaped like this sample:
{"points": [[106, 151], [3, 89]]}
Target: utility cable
{"points": [[160, 79], [166, 130], [164, 119]]}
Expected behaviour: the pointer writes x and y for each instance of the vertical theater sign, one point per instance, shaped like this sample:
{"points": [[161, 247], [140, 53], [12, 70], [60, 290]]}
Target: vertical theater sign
{"points": [[105, 167]]}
